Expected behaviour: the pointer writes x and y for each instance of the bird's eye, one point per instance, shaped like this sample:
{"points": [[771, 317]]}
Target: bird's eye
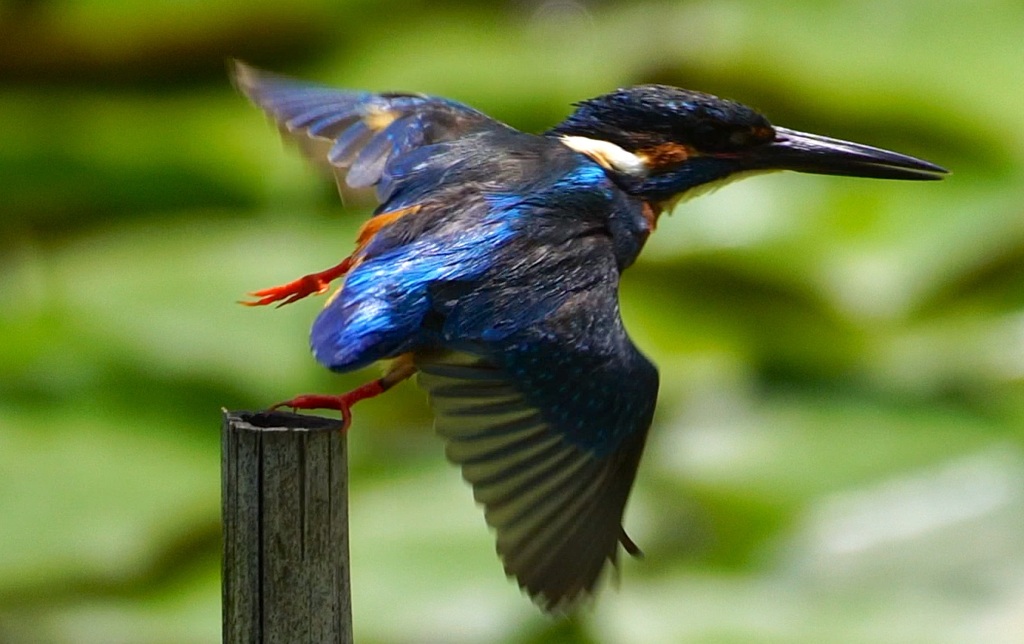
{"points": [[749, 137], [740, 138]]}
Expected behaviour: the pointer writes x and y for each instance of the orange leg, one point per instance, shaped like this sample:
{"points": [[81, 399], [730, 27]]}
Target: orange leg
{"points": [[317, 283], [401, 369], [312, 284]]}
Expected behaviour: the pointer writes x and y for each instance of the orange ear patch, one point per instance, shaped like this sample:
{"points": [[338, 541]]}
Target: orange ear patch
{"points": [[377, 222], [665, 154]]}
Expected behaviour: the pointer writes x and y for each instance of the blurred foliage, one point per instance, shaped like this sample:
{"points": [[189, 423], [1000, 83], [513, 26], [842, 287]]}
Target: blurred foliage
{"points": [[838, 453]]}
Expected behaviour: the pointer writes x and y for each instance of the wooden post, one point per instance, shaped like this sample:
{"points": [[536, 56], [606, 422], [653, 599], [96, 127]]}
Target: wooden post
{"points": [[284, 496]]}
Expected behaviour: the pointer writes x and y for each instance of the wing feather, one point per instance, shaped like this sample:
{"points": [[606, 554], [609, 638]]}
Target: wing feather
{"points": [[359, 134], [556, 506], [347, 146]]}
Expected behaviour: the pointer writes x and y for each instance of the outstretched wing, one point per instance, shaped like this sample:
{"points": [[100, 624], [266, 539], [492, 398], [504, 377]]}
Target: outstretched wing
{"points": [[358, 133], [548, 425]]}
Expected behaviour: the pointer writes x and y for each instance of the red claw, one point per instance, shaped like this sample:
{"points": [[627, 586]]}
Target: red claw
{"points": [[342, 403], [312, 284]]}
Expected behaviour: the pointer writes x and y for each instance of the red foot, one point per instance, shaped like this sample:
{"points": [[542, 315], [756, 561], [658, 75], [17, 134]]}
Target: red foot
{"points": [[312, 284], [342, 403]]}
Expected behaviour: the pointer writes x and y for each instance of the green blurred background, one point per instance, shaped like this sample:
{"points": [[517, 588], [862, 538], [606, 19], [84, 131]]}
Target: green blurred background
{"points": [[838, 454]]}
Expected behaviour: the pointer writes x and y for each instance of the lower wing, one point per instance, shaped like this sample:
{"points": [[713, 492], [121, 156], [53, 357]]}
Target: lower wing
{"points": [[551, 447]]}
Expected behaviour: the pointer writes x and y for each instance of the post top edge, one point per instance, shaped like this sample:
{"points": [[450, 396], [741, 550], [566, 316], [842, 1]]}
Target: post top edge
{"points": [[280, 421]]}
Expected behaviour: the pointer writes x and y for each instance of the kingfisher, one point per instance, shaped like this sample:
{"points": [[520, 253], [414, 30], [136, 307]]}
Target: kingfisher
{"points": [[490, 270]]}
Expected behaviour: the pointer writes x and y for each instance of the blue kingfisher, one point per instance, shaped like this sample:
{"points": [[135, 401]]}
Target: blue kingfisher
{"points": [[491, 270]]}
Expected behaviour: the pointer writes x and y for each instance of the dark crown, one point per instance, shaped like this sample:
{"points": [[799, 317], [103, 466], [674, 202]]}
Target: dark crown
{"points": [[646, 116]]}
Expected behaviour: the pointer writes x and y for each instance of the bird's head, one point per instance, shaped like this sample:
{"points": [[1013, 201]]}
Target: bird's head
{"points": [[662, 142]]}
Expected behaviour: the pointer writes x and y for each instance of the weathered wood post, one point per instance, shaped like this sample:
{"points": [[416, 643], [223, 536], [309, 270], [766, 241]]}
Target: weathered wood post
{"points": [[284, 500]]}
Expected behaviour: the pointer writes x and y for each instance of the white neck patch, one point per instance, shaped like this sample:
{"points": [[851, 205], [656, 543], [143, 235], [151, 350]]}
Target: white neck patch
{"points": [[607, 154]]}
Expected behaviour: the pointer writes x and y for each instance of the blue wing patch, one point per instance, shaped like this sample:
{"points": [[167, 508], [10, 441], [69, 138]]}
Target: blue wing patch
{"points": [[380, 309]]}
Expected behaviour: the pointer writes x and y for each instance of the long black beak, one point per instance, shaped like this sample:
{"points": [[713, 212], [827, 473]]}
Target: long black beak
{"points": [[803, 152]]}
